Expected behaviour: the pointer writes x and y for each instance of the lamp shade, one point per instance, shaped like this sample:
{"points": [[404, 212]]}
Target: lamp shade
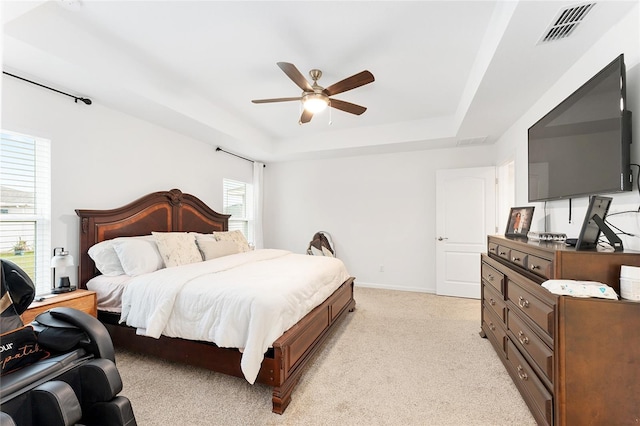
{"points": [[62, 260]]}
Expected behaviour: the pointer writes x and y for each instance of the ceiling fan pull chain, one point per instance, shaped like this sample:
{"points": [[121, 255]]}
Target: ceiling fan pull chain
{"points": [[330, 120]]}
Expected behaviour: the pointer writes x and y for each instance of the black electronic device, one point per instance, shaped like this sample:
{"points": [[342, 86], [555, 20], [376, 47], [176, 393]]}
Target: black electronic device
{"points": [[582, 146], [594, 224], [571, 242]]}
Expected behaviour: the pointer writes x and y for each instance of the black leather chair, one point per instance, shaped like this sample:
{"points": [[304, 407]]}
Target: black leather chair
{"points": [[76, 382]]}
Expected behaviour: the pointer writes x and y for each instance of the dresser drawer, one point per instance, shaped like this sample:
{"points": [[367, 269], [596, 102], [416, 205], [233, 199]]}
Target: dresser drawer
{"points": [[541, 401], [494, 329], [492, 248], [493, 277], [539, 266], [495, 302], [518, 258], [504, 252], [532, 344], [530, 306]]}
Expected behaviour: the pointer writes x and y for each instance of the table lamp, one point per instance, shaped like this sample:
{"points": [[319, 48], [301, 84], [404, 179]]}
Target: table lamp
{"points": [[60, 261]]}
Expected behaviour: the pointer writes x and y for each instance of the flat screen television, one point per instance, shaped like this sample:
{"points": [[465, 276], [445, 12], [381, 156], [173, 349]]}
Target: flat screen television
{"points": [[582, 146]]}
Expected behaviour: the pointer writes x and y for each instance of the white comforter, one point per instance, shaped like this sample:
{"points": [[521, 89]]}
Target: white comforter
{"points": [[244, 301]]}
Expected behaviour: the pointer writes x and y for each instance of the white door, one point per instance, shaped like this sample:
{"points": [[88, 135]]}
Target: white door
{"points": [[465, 215]]}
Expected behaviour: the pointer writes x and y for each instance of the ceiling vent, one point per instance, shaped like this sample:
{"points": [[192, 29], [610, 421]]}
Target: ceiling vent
{"points": [[566, 21], [471, 141]]}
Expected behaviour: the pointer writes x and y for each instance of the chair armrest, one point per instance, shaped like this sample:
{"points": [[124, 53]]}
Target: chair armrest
{"points": [[100, 343]]}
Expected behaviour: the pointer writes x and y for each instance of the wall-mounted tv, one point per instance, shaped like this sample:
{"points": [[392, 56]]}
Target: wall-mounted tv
{"points": [[581, 147]]}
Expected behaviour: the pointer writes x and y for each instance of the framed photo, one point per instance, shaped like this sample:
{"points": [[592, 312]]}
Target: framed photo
{"points": [[519, 221]]}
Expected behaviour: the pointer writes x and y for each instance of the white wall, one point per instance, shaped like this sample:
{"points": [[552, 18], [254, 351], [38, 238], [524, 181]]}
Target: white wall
{"points": [[104, 159], [623, 38], [379, 209]]}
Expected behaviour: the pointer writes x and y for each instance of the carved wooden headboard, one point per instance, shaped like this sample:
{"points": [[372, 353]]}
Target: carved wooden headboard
{"points": [[163, 211]]}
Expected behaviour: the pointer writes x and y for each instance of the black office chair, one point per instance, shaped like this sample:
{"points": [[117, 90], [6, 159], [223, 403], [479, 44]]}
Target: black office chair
{"points": [[58, 370]]}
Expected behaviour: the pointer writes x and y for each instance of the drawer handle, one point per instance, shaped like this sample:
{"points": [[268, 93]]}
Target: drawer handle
{"points": [[521, 373], [522, 302], [492, 302], [523, 339], [492, 249], [492, 326], [490, 277], [502, 253], [515, 259], [534, 267]]}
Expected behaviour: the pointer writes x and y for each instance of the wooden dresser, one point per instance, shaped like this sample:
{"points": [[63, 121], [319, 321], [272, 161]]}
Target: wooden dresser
{"points": [[576, 361]]}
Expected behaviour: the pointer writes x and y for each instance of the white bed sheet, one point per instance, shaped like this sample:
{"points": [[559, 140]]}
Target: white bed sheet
{"points": [[109, 291], [245, 300]]}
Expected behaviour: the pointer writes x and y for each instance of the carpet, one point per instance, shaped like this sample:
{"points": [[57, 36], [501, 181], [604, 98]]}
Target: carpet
{"points": [[400, 358]]}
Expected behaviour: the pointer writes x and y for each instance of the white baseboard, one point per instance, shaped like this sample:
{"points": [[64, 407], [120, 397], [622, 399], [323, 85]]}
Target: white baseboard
{"points": [[395, 287]]}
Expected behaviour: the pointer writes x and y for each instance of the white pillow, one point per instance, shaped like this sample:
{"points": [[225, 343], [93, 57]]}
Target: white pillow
{"points": [[106, 258], [235, 236], [212, 249], [177, 248], [138, 255]]}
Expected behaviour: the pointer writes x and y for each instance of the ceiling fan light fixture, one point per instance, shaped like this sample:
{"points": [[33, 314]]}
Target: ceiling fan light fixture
{"points": [[315, 102]]}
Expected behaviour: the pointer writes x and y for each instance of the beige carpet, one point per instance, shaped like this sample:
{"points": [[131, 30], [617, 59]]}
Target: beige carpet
{"points": [[400, 359]]}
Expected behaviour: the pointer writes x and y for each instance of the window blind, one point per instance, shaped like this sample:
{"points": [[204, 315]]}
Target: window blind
{"points": [[25, 205], [237, 202]]}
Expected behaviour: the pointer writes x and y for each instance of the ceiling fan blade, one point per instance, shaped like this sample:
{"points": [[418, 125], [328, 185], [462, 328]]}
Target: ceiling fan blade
{"points": [[266, 101], [292, 72], [347, 106], [356, 80], [305, 117]]}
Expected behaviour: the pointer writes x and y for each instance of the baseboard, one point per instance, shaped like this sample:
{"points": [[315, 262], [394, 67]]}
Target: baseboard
{"points": [[395, 287]]}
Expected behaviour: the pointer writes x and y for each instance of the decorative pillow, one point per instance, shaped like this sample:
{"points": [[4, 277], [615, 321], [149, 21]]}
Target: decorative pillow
{"points": [[213, 249], [235, 236], [106, 258], [203, 237], [177, 248], [138, 255]]}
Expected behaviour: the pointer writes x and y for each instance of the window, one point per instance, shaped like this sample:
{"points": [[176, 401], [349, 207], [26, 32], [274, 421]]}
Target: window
{"points": [[25, 205], [237, 201]]}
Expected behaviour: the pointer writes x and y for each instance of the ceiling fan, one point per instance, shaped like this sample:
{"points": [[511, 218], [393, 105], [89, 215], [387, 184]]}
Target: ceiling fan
{"points": [[316, 98]]}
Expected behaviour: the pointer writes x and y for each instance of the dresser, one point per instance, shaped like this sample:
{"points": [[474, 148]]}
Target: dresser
{"points": [[574, 360]]}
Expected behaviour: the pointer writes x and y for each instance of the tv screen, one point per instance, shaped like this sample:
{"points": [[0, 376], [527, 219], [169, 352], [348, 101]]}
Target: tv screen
{"points": [[581, 147]]}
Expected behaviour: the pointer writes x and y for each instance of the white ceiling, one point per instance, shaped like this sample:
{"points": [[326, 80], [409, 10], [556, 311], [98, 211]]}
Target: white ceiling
{"points": [[446, 71]]}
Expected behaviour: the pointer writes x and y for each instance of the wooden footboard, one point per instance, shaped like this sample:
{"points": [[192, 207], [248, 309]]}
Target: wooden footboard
{"points": [[282, 366], [294, 349]]}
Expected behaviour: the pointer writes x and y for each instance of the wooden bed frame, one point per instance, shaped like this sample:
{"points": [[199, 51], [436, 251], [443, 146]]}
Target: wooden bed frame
{"points": [[174, 211]]}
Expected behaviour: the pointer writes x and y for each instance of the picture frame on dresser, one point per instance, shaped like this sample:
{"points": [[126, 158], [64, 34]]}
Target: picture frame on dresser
{"points": [[519, 221]]}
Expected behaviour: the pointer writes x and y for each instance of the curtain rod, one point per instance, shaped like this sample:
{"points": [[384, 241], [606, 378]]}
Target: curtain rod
{"points": [[236, 155], [76, 98]]}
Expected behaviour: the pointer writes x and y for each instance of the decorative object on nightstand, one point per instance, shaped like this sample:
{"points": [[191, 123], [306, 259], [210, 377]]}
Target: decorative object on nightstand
{"points": [[60, 262]]}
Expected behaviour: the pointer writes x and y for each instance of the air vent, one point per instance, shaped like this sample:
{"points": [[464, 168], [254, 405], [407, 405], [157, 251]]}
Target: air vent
{"points": [[565, 22], [471, 141]]}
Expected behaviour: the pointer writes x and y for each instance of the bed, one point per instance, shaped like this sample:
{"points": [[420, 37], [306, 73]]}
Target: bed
{"points": [[174, 211]]}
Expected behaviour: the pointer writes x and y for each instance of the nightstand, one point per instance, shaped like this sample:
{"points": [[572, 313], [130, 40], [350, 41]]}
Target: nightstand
{"points": [[82, 300]]}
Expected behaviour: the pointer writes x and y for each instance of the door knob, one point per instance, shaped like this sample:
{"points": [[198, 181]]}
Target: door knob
{"points": [[442, 238]]}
